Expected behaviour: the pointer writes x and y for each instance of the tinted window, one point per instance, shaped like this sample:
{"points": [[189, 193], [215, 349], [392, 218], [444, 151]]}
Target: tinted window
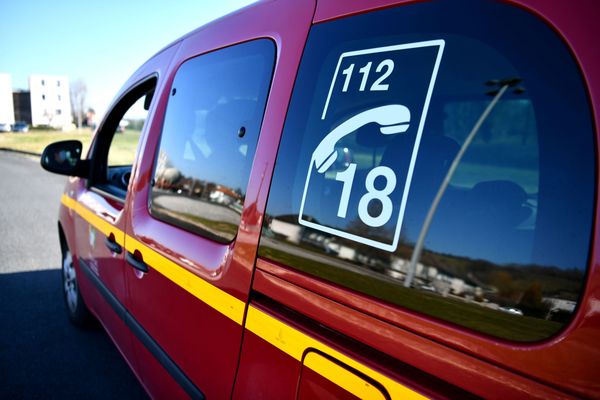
{"points": [[382, 106], [209, 137]]}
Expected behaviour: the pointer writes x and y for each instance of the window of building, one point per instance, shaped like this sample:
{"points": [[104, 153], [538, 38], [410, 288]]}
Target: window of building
{"points": [[58, 111], [209, 136], [59, 97], [43, 82], [58, 83], [382, 105], [43, 97]]}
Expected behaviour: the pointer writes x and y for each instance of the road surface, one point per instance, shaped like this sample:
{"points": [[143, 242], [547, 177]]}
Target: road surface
{"points": [[42, 356]]}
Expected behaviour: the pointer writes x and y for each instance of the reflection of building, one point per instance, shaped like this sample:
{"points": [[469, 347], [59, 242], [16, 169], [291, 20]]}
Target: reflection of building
{"points": [[50, 103], [557, 304], [7, 113], [171, 179], [433, 278], [224, 195], [292, 232]]}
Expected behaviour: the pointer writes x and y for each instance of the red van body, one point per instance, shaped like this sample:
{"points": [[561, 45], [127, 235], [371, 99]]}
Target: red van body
{"points": [[210, 318]]}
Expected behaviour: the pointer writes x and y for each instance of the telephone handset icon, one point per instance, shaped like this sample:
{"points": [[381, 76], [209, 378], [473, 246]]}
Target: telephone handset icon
{"points": [[393, 118]]}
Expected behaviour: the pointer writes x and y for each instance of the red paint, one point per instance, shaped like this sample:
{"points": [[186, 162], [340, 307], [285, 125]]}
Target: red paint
{"points": [[430, 356], [439, 361], [314, 386], [265, 371], [201, 341]]}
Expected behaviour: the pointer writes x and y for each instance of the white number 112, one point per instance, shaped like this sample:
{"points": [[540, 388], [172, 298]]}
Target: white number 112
{"points": [[378, 85]]}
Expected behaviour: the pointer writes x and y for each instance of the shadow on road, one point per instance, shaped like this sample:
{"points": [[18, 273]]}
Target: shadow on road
{"points": [[43, 356]]}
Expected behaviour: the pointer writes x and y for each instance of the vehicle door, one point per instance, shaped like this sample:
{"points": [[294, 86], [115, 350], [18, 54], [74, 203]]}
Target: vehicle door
{"points": [[100, 208], [192, 231], [101, 201], [430, 215]]}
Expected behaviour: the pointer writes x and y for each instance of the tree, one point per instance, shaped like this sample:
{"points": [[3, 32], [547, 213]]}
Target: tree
{"points": [[532, 302], [78, 95]]}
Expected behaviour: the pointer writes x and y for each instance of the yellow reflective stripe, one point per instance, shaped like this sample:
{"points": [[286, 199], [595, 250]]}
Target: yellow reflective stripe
{"points": [[295, 343], [280, 335], [97, 222], [223, 302], [69, 202], [275, 332], [342, 377]]}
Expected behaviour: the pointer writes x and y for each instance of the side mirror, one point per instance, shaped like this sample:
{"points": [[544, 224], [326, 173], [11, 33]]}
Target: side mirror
{"points": [[65, 158]]}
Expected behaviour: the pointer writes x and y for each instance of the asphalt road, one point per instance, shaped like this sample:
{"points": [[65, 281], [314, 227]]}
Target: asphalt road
{"points": [[42, 356]]}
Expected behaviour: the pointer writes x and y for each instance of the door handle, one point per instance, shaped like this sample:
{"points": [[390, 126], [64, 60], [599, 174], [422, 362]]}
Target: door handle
{"points": [[135, 263], [112, 245]]}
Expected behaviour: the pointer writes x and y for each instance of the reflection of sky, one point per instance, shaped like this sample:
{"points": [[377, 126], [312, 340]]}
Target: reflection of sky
{"points": [[215, 95], [547, 129]]}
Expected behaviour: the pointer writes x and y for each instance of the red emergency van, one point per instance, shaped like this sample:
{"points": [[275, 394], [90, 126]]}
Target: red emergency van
{"points": [[339, 199]]}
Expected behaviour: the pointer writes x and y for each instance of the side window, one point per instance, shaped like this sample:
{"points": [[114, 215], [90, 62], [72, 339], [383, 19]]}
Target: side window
{"points": [[115, 149], [209, 136], [127, 134], [364, 192]]}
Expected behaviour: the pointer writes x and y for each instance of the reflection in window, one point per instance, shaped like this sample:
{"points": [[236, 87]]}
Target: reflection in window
{"points": [[209, 137], [507, 249]]}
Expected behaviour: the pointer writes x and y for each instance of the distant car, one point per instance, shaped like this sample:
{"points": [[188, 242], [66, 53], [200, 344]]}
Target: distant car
{"points": [[4, 127], [20, 127], [511, 310]]}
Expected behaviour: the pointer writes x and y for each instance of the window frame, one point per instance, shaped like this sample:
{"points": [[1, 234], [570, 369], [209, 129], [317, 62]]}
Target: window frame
{"points": [[98, 155]]}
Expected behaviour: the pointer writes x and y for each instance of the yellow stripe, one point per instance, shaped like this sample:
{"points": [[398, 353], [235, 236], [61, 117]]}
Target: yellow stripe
{"points": [[275, 332], [295, 343], [223, 302], [342, 377], [97, 222], [69, 202]]}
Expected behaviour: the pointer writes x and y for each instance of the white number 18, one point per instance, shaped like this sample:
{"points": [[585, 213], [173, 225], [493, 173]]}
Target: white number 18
{"points": [[347, 177]]}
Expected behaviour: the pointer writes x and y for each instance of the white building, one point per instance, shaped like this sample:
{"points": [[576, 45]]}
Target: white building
{"points": [[7, 110], [557, 304], [293, 232], [50, 103]]}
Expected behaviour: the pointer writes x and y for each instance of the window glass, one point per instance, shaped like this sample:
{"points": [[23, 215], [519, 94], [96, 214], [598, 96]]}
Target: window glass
{"points": [[127, 135], [209, 137], [118, 138], [383, 104]]}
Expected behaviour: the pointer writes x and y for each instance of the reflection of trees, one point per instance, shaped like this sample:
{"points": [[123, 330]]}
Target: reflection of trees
{"points": [[168, 178], [369, 255], [514, 285], [530, 288], [505, 286], [532, 301]]}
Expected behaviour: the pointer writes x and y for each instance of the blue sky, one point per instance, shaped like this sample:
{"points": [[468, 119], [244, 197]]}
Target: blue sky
{"points": [[101, 42]]}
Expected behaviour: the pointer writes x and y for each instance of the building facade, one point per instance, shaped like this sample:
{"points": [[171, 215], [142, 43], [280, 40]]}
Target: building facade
{"points": [[7, 111], [50, 101]]}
